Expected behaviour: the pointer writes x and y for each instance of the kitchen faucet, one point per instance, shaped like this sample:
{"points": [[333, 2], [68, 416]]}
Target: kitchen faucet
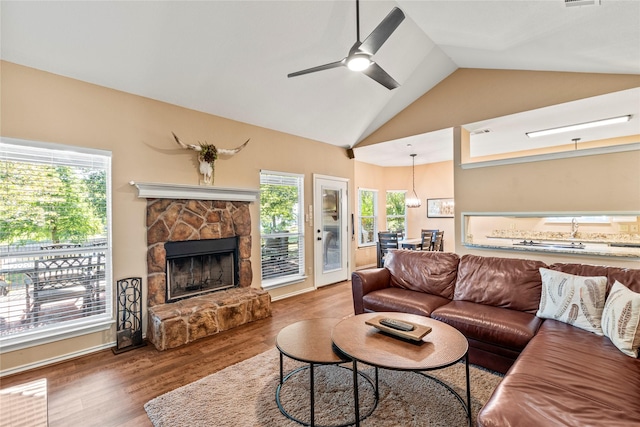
{"points": [[574, 228]]}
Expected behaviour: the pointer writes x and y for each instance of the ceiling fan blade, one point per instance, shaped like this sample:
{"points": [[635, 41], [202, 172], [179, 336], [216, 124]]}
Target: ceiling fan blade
{"points": [[378, 74], [354, 48], [318, 68], [382, 32]]}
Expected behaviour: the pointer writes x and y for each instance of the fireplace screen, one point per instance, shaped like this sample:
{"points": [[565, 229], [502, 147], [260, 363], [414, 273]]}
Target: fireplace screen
{"points": [[200, 266]]}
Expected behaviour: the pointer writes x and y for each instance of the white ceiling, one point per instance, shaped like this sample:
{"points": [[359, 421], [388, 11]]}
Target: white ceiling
{"points": [[231, 58]]}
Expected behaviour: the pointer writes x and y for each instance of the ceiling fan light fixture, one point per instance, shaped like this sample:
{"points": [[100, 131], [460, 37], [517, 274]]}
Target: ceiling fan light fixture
{"points": [[359, 57], [358, 62]]}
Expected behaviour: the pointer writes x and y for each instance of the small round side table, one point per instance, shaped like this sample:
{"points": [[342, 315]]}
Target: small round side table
{"points": [[309, 341]]}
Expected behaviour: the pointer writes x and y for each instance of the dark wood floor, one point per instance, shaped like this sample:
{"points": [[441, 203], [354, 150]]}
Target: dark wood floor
{"points": [[103, 389]]}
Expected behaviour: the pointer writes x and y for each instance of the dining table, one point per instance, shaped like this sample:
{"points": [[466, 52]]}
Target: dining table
{"points": [[411, 243]]}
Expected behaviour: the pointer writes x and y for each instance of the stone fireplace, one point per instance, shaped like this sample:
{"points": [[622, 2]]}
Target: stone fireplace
{"points": [[194, 220], [202, 240]]}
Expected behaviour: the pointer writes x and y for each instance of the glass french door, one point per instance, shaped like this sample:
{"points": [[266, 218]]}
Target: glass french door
{"points": [[331, 230]]}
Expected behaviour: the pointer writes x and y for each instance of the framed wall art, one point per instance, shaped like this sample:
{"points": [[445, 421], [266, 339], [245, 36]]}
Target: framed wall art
{"points": [[440, 208]]}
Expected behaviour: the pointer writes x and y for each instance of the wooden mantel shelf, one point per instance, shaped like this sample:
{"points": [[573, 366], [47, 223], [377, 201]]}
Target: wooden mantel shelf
{"points": [[151, 190]]}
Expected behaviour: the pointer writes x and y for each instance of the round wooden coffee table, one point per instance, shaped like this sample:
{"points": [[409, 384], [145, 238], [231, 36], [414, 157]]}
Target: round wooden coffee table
{"points": [[309, 341], [442, 347]]}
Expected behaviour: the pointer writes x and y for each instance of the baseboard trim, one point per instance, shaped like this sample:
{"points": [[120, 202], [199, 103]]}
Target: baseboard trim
{"points": [[57, 359], [292, 294]]}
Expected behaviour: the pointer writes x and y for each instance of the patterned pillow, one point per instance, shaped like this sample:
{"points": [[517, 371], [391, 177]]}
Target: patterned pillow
{"points": [[576, 300], [621, 319]]}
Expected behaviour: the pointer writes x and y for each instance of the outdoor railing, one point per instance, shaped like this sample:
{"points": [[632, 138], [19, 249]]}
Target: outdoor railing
{"points": [[51, 284]]}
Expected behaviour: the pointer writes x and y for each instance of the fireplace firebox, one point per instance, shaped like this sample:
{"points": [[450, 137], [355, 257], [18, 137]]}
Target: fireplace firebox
{"points": [[196, 267]]}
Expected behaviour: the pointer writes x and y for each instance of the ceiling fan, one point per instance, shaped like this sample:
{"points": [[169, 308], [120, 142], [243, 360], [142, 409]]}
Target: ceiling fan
{"points": [[359, 58]]}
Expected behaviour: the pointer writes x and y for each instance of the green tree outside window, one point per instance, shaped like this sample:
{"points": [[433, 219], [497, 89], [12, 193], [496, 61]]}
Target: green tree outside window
{"points": [[50, 203], [396, 211], [278, 208], [367, 216]]}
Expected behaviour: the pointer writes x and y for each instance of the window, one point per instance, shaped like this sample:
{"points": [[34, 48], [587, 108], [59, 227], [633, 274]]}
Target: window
{"points": [[281, 228], [367, 213], [396, 211], [55, 254]]}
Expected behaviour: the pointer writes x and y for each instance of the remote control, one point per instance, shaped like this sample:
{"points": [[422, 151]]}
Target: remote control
{"points": [[397, 324]]}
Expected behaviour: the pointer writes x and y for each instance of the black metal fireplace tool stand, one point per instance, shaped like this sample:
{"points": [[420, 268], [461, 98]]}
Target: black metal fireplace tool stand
{"points": [[129, 315]]}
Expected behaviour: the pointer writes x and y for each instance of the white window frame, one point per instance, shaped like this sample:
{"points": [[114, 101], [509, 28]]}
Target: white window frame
{"points": [[404, 217], [64, 154], [299, 275], [374, 217]]}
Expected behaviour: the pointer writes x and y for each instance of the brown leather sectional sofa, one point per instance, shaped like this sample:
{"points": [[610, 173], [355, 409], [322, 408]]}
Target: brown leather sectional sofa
{"points": [[556, 374]]}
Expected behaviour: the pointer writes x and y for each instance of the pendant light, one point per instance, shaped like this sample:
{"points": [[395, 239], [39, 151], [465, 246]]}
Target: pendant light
{"points": [[413, 202]]}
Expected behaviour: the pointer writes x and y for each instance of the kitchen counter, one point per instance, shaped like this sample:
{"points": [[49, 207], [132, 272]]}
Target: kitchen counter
{"points": [[605, 238], [577, 247], [595, 234]]}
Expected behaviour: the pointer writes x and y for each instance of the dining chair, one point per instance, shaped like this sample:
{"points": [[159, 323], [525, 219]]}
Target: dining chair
{"points": [[386, 242], [438, 241], [426, 236], [433, 237]]}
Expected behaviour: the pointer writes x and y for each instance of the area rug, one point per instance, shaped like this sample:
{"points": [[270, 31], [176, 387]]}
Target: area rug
{"points": [[244, 395]]}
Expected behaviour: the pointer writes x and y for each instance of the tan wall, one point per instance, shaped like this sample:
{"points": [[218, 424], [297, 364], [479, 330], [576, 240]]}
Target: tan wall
{"points": [[372, 178], [434, 180], [44, 107]]}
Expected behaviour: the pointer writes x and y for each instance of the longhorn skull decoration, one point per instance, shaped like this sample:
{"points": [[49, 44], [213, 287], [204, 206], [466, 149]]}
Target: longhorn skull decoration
{"points": [[207, 155]]}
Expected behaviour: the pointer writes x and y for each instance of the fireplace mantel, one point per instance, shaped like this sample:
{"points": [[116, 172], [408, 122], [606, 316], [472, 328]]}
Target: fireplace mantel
{"points": [[150, 190]]}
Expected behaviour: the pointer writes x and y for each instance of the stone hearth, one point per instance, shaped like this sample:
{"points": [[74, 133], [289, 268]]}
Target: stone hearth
{"points": [[175, 324]]}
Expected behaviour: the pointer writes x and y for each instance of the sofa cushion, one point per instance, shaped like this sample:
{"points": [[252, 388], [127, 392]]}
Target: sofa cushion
{"points": [[402, 300], [491, 356], [499, 326], [430, 272], [577, 300], [365, 281], [621, 319], [500, 282], [580, 269], [627, 276], [566, 376]]}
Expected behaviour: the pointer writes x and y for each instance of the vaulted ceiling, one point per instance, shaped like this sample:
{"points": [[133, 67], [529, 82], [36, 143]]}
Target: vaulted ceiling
{"points": [[231, 58]]}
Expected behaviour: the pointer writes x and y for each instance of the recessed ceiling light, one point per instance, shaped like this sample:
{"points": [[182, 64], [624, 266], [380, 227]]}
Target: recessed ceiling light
{"points": [[579, 126]]}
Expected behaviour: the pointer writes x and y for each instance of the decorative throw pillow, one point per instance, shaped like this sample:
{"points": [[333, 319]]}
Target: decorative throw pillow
{"points": [[621, 319], [576, 300]]}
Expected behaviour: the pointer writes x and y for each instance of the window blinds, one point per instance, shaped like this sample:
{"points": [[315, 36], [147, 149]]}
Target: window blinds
{"points": [[281, 227], [54, 238]]}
